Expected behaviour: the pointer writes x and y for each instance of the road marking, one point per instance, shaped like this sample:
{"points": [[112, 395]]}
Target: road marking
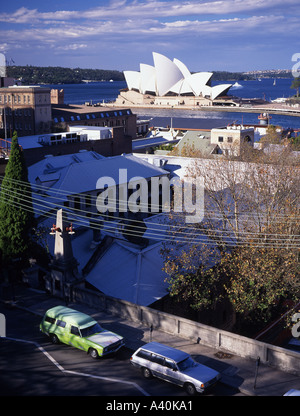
{"points": [[108, 379], [63, 370], [41, 349]]}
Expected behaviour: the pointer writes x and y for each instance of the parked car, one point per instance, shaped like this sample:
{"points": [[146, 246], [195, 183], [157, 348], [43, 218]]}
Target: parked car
{"points": [[174, 366], [75, 328]]}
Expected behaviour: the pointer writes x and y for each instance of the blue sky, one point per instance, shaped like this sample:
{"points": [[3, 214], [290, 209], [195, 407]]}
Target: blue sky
{"points": [[208, 35]]}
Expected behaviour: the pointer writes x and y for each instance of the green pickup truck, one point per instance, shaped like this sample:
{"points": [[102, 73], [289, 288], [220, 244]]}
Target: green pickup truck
{"points": [[75, 328]]}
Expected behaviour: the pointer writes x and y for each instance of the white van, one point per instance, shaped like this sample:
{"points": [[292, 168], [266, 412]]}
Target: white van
{"points": [[174, 366]]}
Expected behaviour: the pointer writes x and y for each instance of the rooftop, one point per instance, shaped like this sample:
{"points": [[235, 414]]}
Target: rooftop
{"points": [[83, 109]]}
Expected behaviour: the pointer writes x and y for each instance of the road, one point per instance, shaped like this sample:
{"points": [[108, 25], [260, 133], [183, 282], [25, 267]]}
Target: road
{"points": [[31, 366]]}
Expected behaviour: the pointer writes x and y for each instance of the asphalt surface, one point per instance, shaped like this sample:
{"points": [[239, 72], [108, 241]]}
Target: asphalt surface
{"points": [[238, 374]]}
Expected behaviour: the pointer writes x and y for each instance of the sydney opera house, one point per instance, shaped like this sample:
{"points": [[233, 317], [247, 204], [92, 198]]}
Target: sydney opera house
{"points": [[170, 83]]}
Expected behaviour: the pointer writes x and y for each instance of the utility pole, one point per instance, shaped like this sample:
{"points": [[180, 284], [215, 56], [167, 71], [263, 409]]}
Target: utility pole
{"points": [[256, 371]]}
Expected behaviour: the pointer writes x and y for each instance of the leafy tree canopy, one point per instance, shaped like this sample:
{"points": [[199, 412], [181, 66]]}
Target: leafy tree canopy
{"points": [[16, 213]]}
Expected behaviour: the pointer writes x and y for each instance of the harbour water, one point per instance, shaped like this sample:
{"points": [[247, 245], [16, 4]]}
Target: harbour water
{"points": [[101, 92]]}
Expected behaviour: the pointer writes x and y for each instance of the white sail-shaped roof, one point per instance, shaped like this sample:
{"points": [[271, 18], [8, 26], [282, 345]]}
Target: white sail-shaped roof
{"points": [[219, 89], [182, 87], [199, 80], [133, 79], [172, 76], [148, 78], [167, 73], [183, 68]]}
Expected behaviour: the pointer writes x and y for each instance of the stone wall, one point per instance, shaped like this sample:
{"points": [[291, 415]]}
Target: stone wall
{"points": [[274, 356]]}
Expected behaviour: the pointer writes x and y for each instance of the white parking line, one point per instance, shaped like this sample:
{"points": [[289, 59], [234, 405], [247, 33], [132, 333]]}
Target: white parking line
{"points": [[61, 368], [108, 379]]}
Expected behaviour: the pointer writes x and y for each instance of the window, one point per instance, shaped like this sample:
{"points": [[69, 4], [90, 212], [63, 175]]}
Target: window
{"points": [[229, 139], [50, 320], [170, 363], [60, 323], [220, 139], [144, 354], [75, 330], [158, 359]]}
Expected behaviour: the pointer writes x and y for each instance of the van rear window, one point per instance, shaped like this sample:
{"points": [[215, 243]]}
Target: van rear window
{"points": [[49, 319]]}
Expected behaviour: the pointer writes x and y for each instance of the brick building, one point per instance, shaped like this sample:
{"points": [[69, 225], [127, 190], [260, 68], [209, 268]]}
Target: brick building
{"points": [[97, 115], [26, 109]]}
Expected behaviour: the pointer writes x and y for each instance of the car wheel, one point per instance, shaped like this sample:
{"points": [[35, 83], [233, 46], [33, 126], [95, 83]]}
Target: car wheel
{"points": [[54, 339], [146, 372], [93, 353], [190, 389]]}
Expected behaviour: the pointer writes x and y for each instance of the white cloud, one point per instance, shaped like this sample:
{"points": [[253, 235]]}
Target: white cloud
{"points": [[122, 9], [72, 47], [147, 24]]}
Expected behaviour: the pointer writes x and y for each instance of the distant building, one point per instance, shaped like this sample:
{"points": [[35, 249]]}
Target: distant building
{"points": [[86, 115], [26, 109], [57, 96], [103, 140], [231, 138], [217, 141], [197, 141], [169, 83]]}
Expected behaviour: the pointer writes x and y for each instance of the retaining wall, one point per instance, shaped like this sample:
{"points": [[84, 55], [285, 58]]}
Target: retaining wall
{"points": [[274, 356]]}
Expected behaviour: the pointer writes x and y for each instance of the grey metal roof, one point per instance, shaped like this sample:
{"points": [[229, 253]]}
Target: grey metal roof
{"points": [[197, 140]]}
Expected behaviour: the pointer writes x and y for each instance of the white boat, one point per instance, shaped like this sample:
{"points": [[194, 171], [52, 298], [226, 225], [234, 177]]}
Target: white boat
{"points": [[237, 85]]}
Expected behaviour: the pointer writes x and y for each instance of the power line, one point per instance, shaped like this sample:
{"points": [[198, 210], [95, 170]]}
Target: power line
{"points": [[93, 224], [66, 193], [40, 202]]}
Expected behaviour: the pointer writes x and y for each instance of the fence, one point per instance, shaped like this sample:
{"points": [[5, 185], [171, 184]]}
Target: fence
{"points": [[281, 358]]}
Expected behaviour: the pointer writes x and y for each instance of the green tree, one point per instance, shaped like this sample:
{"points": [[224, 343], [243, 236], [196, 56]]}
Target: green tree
{"points": [[259, 278], [251, 213], [296, 85], [272, 135], [16, 213]]}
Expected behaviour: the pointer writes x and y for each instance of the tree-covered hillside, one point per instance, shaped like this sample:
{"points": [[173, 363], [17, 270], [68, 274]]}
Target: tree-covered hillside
{"points": [[58, 75]]}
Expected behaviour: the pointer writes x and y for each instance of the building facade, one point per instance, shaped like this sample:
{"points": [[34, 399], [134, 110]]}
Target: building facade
{"points": [[94, 115], [26, 109], [230, 139]]}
